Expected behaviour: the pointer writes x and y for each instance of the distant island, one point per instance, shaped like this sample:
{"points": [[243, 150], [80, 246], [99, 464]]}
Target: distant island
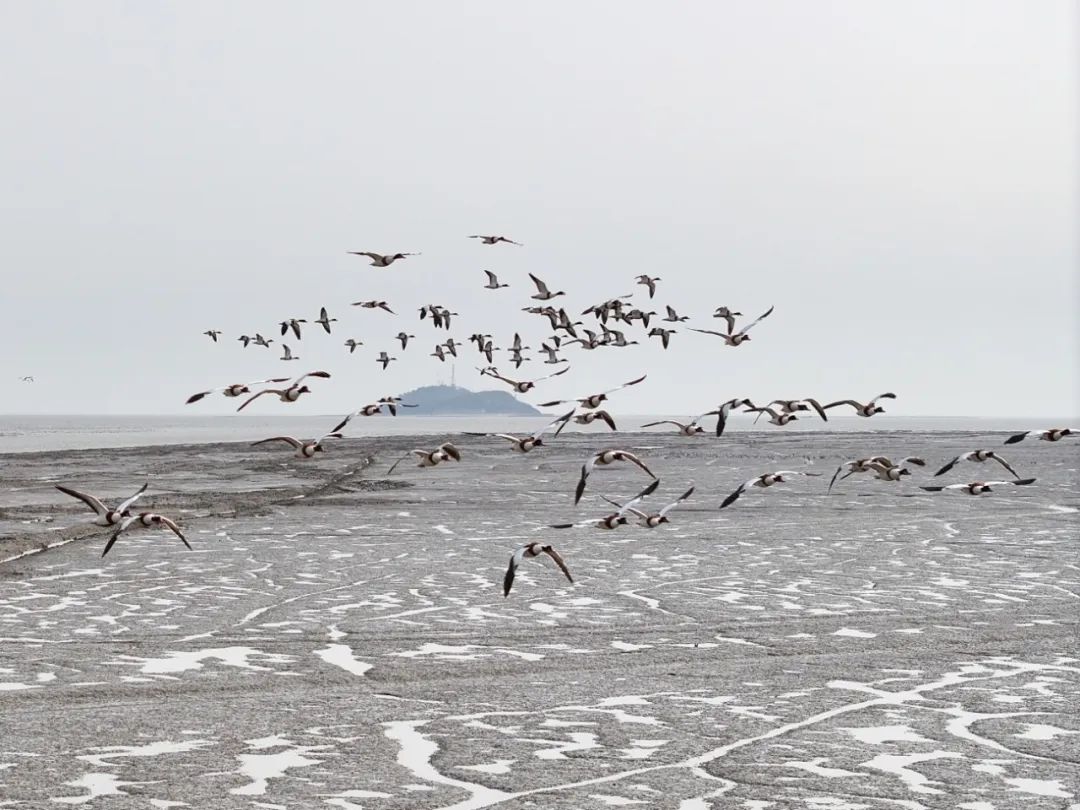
{"points": [[450, 400]]}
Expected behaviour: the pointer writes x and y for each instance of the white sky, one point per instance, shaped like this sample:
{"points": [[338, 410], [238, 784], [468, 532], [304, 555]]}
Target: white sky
{"points": [[900, 180]]}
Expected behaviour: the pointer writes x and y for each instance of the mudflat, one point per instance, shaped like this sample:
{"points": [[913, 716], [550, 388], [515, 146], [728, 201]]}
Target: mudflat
{"points": [[338, 638]]}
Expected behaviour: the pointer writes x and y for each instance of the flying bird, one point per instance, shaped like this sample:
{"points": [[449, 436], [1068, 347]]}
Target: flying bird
{"points": [[374, 305], [654, 519], [290, 394], [765, 480], [149, 520], [304, 449], [235, 390], [727, 315], [352, 343], [439, 352], [524, 444], [104, 515], [663, 334], [378, 259], [977, 456], [650, 282], [593, 400], [615, 519], [213, 334], [1048, 435], [603, 458], [385, 359], [588, 417], [775, 418], [869, 409], [691, 428], [294, 324], [286, 353], [390, 403], [542, 291], [29, 378], [979, 487], [243, 339], [324, 321], [522, 386], [494, 240], [882, 467], [261, 341], [493, 282], [430, 458], [404, 338], [673, 316], [739, 337], [798, 405], [525, 552], [725, 409]]}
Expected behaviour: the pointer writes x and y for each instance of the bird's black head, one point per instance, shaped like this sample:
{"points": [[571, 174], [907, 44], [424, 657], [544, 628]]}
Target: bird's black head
{"points": [[304, 389], [904, 471], [319, 449], [621, 521], [664, 519], [538, 442]]}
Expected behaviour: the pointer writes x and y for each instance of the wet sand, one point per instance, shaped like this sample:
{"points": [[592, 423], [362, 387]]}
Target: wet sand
{"points": [[340, 639]]}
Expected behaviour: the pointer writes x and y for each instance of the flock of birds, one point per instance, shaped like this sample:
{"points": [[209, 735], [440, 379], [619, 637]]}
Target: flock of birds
{"points": [[566, 333]]}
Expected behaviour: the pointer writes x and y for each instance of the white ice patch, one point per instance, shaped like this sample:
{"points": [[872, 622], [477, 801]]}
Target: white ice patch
{"points": [[229, 656], [341, 655], [847, 631], [898, 764]]}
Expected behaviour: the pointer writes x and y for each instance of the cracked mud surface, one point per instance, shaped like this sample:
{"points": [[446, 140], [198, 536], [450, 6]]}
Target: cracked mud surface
{"points": [[339, 640]]}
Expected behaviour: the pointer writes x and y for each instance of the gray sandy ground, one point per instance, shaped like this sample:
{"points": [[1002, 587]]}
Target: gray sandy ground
{"points": [[340, 640]]}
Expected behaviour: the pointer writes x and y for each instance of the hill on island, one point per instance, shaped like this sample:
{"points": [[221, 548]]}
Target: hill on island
{"points": [[450, 400]]}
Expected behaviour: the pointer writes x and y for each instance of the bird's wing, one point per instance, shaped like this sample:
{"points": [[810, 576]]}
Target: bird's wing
{"points": [[850, 402], [492, 278], [344, 422], [511, 570], [294, 443], [630, 504], [817, 407], [564, 419], [916, 460], [323, 374], [394, 467], [541, 287], [949, 466], [586, 468], [367, 253], [255, 396], [558, 561], [626, 385], [734, 496], [331, 435], [175, 529], [882, 396], [89, 500], [606, 417], [553, 403], [709, 332], [556, 374], [138, 494], [676, 502], [1004, 464], [201, 394], [663, 422], [451, 451], [940, 488], [506, 436], [833, 481], [1019, 437], [749, 326], [1019, 482], [635, 460]]}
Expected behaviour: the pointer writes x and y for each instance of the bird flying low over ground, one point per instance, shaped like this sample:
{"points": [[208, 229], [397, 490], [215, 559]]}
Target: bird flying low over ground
{"points": [[797, 405], [869, 409], [235, 390], [290, 394], [430, 458], [589, 417], [494, 240], [725, 409], [104, 515], [1047, 435], [525, 552], [379, 259], [526, 443], [979, 487], [882, 467], [691, 428], [148, 520], [654, 519], [977, 456], [304, 449], [765, 480], [615, 519], [390, 403], [604, 458]]}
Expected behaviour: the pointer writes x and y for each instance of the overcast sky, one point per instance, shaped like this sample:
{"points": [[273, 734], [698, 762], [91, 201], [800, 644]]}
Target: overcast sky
{"points": [[899, 180]]}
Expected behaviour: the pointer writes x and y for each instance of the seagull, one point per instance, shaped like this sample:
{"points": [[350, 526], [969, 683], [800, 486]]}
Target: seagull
{"points": [[149, 520], [374, 305], [105, 515], [261, 341], [352, 343], [523, 386], [774, 417], [674, 317], [384, 359], [589, 417], [724, 410], [593, 400], [663, 334], [290, 394], [527, 443], [615, 519], [765, 480], [531, 550], [727, 315], [739, 337], [494, 240], [430, 458], [235, 390], [304, 449], [653, 520], [542, 291], [1048, 435], [294, 324], [324, 320], [979, 487], [977, 455], [869, 409], [378, 259], [287, 353], [650, 282], [603, 458], [213, 334], [243, 339], [493, 282], [692, 428], [795, 405]]}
